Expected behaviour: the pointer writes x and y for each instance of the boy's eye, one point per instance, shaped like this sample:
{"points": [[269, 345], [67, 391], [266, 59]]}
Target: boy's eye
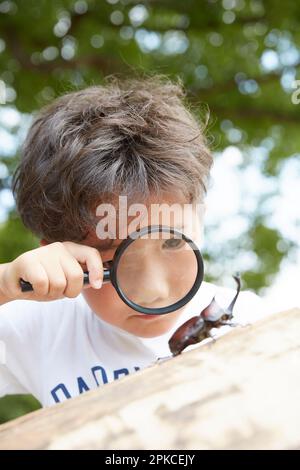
{"points": [[107, 264], [173, 244]]}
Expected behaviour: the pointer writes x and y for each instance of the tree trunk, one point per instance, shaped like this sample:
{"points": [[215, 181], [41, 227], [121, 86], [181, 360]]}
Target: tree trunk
{"points": [[240, 392]]}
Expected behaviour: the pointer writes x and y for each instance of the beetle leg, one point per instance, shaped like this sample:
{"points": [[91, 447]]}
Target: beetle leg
{"points": [[229, 323], [163, 359], [212, 337]]}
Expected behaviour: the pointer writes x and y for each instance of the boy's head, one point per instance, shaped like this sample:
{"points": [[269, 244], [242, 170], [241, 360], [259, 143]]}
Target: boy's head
{"points": [[135, 139]]}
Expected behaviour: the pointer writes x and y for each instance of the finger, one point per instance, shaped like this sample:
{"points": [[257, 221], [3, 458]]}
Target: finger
{"points": [[91, 258], [57, 279], [74, 275], [35, 275], [38, 278]]}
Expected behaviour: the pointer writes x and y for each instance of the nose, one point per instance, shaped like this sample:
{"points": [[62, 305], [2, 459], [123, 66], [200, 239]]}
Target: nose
{"points": [[151, 287]]}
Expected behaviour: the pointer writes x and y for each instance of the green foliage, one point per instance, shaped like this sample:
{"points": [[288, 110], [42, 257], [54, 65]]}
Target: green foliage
{"points": [[15, 239], [268, 245], [13, 406]]}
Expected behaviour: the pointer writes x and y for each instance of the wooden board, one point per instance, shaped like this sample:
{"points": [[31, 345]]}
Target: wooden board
{"points": [[241, 392]]}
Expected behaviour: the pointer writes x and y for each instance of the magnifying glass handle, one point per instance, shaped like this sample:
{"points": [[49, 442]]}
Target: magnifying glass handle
{"points": [[27, 287]]}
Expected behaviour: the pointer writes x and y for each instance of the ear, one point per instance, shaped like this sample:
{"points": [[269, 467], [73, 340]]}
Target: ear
{"points": [[43, 242]]}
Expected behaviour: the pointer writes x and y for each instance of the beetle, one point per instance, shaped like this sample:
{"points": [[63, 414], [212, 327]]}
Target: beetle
{"points": [[198, 328]]}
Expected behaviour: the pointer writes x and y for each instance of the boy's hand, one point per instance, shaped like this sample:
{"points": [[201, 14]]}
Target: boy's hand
{"points": [[55, 271]]}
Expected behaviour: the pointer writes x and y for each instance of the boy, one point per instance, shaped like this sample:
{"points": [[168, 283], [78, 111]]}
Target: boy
{"points": [[134, 139]]}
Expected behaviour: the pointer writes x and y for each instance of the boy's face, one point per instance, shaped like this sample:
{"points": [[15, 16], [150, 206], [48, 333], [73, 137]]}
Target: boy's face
{"points": [[106, 303]]}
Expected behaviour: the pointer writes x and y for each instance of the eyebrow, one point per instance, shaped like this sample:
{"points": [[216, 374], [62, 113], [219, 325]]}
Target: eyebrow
{"points": [[111, 243]]}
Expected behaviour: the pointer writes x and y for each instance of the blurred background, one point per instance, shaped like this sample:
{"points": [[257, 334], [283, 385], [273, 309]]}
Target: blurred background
{"points": [[238, 59]]}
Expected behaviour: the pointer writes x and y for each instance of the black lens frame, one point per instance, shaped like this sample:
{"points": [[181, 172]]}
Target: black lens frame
{"points": [[110, 273]]}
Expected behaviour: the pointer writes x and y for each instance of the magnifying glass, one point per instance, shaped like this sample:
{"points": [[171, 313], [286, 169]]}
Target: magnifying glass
{"points": [[155, 270]]}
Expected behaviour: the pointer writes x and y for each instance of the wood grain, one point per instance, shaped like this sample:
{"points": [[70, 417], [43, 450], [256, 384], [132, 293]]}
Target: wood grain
{"points": [[241, 392]]}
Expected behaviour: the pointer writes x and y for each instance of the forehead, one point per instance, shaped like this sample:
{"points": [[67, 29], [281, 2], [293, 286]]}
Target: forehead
{"points": [[122, 217]]}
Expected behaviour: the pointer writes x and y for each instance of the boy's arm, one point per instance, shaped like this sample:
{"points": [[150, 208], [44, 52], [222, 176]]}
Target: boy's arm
{"points": [[21, 339], [3, 298]]}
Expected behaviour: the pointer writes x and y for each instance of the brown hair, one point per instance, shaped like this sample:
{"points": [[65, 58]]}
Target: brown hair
{"points": [[134, 137]]}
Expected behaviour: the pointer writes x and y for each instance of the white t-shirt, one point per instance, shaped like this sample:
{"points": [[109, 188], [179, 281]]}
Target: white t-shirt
{"points": [[57, 350]]}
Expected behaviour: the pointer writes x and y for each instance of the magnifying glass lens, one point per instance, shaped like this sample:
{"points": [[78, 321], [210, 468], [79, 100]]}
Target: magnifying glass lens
{"points": [[157, 273]]}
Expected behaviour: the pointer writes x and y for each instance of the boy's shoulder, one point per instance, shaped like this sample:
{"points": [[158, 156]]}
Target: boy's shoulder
{"points": [[25, 316]]}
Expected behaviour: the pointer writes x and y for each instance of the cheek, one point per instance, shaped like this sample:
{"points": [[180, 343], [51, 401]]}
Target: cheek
{"points": [[102, 299], [105, 303]]}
